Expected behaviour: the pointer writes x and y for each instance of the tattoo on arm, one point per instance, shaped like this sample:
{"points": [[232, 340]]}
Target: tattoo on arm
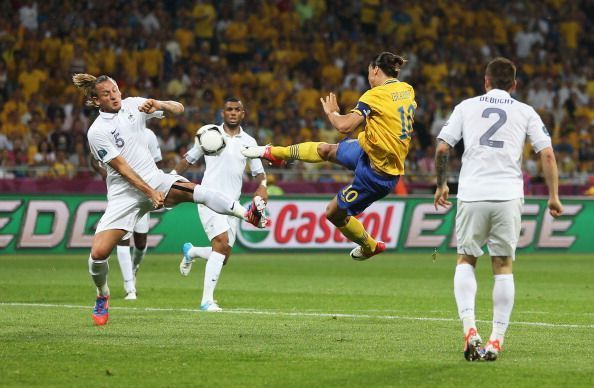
{"points": [[441, 164]]}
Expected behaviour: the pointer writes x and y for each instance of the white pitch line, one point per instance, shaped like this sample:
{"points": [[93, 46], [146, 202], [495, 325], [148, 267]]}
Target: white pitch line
{"points": [[296, 314]]}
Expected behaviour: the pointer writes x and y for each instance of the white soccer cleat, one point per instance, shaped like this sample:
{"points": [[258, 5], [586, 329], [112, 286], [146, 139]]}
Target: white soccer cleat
{"points": [[253, 152], [130, 296], [263, 152], [357, 253], [211, 307], [185, 266]]}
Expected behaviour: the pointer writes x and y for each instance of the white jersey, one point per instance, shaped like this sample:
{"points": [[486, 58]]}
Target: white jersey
{"points": [[153, 145], [123, 133], [494, 127], [224, 172]]}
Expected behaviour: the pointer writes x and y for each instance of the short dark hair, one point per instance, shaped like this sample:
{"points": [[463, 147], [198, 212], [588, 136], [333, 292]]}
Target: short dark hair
{"points": [[501, 72], [389, 63], [232, 99]]}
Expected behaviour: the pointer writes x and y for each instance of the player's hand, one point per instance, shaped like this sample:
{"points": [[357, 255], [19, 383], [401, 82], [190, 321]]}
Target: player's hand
{"points": [[150, 106], [555, 207], [330, 104], [158, 199], [441, 197]]}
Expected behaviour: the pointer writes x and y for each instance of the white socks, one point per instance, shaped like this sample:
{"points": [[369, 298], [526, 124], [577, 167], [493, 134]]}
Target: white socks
{"points": [[98, 270], [503, 302], [125, 261], [200, 252], [465, 292], [211, 275], [218, 202]]}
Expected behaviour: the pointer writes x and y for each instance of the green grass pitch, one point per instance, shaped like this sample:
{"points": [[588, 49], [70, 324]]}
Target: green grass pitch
{"points": [[292, 320]]}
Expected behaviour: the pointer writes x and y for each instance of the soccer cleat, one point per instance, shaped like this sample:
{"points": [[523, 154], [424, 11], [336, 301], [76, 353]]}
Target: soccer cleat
{"points": [[491, 350], [357, 253], [130, 295], [262, 152], [185, 266], [472, 343], [101, 310], [256, 213], [211, 307]]}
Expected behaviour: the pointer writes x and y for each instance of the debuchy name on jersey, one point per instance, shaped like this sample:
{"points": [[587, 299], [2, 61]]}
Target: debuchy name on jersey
{"points": [[123, 133], [494, 127]]}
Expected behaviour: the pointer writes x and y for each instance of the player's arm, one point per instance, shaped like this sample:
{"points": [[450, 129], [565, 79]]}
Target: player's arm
{"points": [[181, 167], [98, 169], [262, 190], [191, 157], [120, 165], [540, 140], [549, 167], [442, 155], [151, 106], [343, 123]]}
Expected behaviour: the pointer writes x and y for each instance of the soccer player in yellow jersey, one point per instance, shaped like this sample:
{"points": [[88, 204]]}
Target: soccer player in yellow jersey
{"points": [[376, 156]]}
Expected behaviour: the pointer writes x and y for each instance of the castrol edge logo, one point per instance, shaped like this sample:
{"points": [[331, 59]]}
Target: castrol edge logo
{"points": [[303, 224]]}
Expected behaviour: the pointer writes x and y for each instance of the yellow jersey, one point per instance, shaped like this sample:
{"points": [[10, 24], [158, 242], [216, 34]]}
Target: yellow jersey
{"points": [[389, 111]]}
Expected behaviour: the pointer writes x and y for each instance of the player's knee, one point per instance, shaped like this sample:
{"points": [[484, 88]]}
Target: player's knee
{"points": [[220, 244], [336, 219], [326, 151], [100, 253]]}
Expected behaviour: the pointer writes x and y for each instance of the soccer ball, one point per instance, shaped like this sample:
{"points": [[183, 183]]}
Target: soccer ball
{"points": [[211, 140]]}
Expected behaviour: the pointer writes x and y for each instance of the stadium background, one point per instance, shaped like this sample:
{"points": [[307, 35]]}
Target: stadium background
{"points": [[279, 57]]}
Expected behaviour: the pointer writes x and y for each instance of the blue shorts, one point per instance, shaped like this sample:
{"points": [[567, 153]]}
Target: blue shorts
{"points": [[368, 185]]}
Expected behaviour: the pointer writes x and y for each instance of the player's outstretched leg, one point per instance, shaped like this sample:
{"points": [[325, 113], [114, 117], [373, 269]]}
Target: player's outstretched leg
{"points": [[307, 152], [222, 204]]}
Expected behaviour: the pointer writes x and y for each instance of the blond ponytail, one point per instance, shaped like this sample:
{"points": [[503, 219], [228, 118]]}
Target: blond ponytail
{"points": [[87, 83]]}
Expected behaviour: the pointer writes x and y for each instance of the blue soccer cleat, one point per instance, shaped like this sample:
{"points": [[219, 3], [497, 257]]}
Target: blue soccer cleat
{"points": [[185, 266]]}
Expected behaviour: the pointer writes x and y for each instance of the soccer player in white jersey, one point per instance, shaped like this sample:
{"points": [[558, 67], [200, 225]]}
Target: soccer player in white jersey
{"points": [[494, 127], [130, 261], [224, 173], [135, 185]]}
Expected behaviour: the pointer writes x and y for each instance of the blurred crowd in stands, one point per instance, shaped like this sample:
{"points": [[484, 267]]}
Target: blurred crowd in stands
{"points": [[279, 57]]}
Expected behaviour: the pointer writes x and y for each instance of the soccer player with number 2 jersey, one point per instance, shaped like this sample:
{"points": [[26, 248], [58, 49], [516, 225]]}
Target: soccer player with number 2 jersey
{"points": [[490, 197]]}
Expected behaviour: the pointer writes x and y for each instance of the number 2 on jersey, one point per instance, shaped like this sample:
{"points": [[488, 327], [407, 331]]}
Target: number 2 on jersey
{"points": [[486, 138], [406, 120]]}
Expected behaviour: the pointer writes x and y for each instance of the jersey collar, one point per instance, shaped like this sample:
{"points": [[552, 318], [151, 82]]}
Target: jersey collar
{"points": [[498, 92], [390, 81], [108, 116], [222, 126]]}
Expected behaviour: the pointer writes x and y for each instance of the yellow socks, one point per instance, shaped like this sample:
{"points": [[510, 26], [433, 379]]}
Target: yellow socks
{"points": [[308, 152], [355, 232]]}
